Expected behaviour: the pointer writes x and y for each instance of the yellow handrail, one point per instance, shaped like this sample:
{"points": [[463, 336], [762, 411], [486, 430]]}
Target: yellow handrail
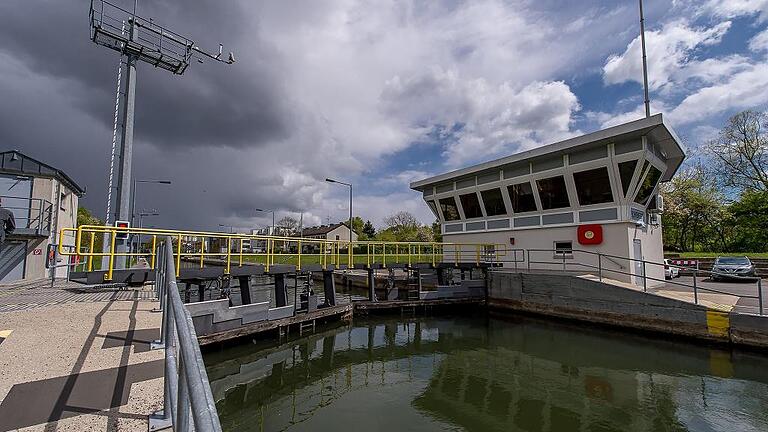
{"points": [[328, 252]]}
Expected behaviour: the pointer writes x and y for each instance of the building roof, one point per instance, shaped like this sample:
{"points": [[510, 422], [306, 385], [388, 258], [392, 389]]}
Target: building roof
{"points": [[15, 162], [322, 229], [657, 131]]}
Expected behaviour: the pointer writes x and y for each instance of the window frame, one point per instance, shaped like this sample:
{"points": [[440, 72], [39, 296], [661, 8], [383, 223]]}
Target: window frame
{"points": [[568, 192], [479, 204], [567, 253], [536, 201], [503, 202], [452, 196], [611, 185]]}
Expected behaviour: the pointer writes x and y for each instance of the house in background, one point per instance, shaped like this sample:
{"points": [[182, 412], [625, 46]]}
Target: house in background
{"points": [[43, 200], [339, 231]]}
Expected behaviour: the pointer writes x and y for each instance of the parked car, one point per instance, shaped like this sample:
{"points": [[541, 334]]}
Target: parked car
{"points": [[670, 271], [732, 268]]}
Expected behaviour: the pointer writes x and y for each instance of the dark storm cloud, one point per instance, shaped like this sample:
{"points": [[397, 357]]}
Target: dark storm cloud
{"points": [[57, 91], [211, 104]]}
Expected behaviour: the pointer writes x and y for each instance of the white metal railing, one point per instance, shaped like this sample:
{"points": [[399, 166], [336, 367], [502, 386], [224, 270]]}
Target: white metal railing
{"points": [[595, 262], [188, 403]]}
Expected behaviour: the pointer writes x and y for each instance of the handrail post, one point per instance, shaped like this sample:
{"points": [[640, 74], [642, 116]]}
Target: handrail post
{"points": [[645, 278], [178, 255], [528, 259], [600, 266], [229, 253], [760, 294], [90, 250], [695, 289], [154, 252], [241, 252]]}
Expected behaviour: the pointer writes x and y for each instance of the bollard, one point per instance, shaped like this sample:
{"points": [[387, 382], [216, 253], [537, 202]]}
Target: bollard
{"points": [[645, 279]]}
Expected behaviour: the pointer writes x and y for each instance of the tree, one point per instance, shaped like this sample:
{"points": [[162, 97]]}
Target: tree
{"points": [[288, 226], [750, 219], [368, 231], [357, 226], [84, 217], [402, 220], [741, 152], [436, 234], [403, 226], [695, 211]]}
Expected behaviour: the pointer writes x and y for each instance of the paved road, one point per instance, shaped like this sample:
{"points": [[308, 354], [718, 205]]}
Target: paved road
{"points": [[742, 289], [77, 358]]}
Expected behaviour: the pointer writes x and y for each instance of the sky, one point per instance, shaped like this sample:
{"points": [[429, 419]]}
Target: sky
{"points": [[377, 93]]}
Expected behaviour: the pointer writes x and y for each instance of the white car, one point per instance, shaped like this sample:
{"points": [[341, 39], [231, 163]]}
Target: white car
{"points": [[670, 272]]}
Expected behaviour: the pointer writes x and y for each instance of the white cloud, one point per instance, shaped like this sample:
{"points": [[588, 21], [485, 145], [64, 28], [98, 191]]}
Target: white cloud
{"points": [[669, 53], [759, 42], [746, 89], [736, 8], [493, 118]]}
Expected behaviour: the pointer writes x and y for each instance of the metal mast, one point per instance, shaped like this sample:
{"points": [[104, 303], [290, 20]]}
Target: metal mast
{"points": [[157, 46], [645, 62]]}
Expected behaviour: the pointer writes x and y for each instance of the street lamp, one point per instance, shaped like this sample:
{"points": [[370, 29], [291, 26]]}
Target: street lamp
{"points": [[350, 206], [273, 218], [133, 196]]}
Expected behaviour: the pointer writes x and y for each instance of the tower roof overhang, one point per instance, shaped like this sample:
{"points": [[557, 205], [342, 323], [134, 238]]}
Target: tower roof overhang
{"points": [[658, 133]]}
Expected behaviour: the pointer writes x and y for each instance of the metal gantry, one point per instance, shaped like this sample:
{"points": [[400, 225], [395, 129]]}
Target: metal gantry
{"points": [[138, 39]]}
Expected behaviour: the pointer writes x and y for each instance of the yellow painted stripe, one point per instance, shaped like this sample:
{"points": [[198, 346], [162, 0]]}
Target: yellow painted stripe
{"points": [[718, 323], [5, 333]]}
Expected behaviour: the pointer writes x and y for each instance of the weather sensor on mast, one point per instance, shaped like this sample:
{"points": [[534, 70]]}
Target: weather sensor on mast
{"points": [[137, 39]]}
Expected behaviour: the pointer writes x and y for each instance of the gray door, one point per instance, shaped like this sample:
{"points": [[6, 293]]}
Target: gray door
{"points": [[13, 255], [638, 255]]}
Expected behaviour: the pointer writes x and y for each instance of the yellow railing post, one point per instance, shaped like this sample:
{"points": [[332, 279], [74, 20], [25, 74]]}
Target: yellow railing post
{"points": [[477, 261], [298, 245], [434, 254], [241, 252], [111, 256], [368, 254], [383, 254], [178, 255], [409, 254], [269, 245], [90, 251], [202, 250], [229, 252], [154, 252]]}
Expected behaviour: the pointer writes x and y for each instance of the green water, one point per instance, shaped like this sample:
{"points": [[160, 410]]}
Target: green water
{"points": [[485, 374]]}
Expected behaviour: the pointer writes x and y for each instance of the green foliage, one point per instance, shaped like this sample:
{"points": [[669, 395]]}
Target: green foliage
{"points": [[404, 227], [721, 202], [84, 217], [368, 231]]}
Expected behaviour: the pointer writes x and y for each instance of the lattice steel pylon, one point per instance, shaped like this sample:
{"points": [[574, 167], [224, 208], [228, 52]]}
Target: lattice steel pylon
{"points": [[138, 39]]}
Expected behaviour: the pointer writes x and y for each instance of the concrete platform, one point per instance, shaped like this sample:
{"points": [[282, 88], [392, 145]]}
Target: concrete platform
{"points": [[78, 359]]}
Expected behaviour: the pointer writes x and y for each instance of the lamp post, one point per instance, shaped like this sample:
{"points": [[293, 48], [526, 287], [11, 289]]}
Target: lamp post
{"points": [[273, 218], [133, 196], [350, 206]]}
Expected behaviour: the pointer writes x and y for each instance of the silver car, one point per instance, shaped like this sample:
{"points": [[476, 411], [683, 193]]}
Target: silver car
{"points": [[732, 268]]}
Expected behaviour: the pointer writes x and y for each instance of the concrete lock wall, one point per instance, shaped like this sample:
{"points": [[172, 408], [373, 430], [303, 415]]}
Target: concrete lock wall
{"points": [[618, 240], [573, 297]]}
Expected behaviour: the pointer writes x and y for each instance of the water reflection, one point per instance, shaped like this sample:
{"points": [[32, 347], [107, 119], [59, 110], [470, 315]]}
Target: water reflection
{"points": [[486, 374]]}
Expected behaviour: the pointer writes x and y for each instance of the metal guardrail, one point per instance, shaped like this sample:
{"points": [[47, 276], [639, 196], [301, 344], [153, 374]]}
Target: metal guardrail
{"points": [[231, 251], [568, 260], [38, 213], [187, 397]]}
